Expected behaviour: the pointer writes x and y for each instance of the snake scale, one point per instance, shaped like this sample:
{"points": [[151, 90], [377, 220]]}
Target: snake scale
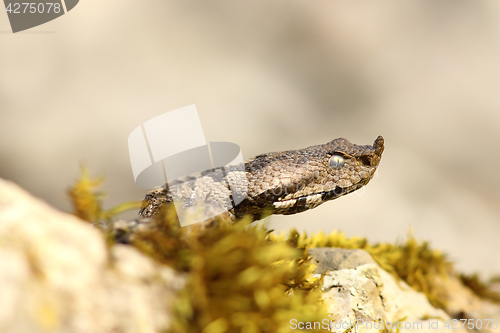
{"points": [[286, 182]]}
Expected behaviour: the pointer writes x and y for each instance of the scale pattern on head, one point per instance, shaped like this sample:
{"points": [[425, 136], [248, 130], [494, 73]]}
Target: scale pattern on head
{"points": [[293, 181]]}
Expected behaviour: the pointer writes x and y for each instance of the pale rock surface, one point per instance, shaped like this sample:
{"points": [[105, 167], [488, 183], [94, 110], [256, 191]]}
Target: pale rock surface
{"points": [[357, 289], [57, 275]]}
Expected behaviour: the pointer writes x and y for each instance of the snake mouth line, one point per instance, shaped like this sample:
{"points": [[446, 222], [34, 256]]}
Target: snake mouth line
{"points": [[315, 199]]}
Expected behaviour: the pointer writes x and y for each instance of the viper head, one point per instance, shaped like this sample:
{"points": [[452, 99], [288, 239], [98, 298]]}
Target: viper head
{"points": [[297, 180]]}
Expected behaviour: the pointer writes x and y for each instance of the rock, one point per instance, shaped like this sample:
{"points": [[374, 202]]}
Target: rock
{"points": [[464, 304], [330, 259], [57, 275], [357, 290]]}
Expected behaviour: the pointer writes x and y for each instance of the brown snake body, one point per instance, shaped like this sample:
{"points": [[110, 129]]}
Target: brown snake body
{"points": [[287, 182]]}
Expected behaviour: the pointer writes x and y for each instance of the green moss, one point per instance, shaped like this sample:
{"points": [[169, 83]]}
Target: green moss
{"points": [[87, 201], [238, 279], [480, 288], [84, 197], [246, 279]]}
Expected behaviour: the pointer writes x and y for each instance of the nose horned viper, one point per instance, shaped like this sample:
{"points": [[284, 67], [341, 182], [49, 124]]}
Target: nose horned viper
{"points": [[286, 182]]}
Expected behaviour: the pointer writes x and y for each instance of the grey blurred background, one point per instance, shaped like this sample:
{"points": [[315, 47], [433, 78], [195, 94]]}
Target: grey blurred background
{"points": [[270, 76]]}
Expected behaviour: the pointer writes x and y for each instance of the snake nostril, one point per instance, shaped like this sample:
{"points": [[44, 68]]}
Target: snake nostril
{"points": [[367, 161]]}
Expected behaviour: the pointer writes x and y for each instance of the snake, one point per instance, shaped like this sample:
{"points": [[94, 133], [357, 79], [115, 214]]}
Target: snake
{"points": [[286, 182]]}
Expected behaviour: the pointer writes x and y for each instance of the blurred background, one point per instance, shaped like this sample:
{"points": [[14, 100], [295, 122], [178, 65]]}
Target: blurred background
{"points": [[270, 76]]}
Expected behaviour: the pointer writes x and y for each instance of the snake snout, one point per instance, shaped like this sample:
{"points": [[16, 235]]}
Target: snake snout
{"points": [[378, 145]]}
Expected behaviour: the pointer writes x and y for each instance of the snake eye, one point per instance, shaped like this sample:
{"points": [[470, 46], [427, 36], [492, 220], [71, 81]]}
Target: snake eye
{"points": [[336, 161]]}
